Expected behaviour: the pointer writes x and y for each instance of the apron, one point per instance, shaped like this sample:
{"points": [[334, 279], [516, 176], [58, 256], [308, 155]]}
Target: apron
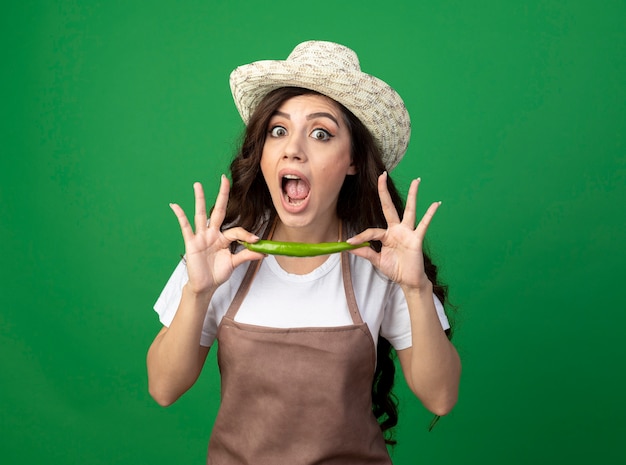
{"points": [[296, 396]]}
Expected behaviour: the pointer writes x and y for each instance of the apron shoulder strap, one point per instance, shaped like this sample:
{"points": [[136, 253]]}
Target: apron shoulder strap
{"points": [[253, 267], [347, 285], [347, 281]]}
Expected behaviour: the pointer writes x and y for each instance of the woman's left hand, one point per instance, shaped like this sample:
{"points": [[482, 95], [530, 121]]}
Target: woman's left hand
{"points": [[401, 258]]}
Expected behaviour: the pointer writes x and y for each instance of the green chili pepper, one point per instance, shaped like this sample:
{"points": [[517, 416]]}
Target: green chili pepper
{"points": [[299, 249]]}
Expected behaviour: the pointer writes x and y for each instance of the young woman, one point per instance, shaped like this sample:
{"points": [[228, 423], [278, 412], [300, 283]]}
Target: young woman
{"points": [[305, 342]]}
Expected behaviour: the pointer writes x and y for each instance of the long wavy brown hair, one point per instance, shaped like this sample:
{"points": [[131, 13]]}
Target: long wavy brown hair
{"points": [[250, 206]]}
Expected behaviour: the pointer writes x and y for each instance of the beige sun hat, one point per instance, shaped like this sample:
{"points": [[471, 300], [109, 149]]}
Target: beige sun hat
{"points": [[333, 70]]}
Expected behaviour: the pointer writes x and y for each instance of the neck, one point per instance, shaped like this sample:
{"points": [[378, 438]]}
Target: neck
{"points": [[320, 232], [328, 232]]}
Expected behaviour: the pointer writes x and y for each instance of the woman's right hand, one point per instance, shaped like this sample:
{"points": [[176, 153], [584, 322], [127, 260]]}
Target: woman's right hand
{"points": [[207, 250]]}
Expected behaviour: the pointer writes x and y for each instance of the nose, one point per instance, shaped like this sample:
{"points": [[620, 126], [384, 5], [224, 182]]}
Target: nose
{"points": [[295, 147]]}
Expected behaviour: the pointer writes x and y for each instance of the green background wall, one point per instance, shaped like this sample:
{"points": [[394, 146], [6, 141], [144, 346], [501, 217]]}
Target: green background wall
{"points": [[112, 109]]}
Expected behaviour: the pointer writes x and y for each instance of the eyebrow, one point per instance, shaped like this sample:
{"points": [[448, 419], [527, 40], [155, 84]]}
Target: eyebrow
{"points": [[320, 114]]}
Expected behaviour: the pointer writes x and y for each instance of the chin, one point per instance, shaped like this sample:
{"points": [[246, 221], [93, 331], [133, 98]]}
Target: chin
{"points": [[294, 221]]}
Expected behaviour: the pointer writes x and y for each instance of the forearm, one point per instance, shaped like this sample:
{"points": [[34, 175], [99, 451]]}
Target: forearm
{"points": [[434, 367], [175, 357]]}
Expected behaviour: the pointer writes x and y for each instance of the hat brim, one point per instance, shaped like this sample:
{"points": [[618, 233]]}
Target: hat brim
{"points": [[370, 99]]}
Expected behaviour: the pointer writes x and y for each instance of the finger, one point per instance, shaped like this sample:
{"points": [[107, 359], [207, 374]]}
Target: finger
{"points": [[219, 210], [411, 204], [426, 219], [246, 255], [367, 253], [239, 234], [200, 212], [371, 234], [389, 209], [185, 227]]}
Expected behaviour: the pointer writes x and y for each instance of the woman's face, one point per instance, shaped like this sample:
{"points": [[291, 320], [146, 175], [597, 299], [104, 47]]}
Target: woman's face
{"points": [[305, 160]]}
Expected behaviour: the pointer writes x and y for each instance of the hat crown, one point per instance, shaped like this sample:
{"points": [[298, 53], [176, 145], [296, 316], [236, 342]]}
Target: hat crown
{"points": [[332, 70], [327, 55]]}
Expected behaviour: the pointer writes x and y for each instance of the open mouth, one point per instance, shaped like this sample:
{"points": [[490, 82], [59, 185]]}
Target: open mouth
{"points": [[295, 189]]}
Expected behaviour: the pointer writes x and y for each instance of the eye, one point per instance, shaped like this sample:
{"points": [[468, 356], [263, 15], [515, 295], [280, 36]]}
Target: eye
{"points": [[321, 134], [278, 131]]}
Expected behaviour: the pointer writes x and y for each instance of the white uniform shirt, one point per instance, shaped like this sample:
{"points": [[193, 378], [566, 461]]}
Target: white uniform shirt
{"points": [[317, 299]]}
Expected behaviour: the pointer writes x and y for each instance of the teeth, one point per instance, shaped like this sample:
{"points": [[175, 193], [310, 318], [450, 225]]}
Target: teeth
{"points": [[291, 176]]}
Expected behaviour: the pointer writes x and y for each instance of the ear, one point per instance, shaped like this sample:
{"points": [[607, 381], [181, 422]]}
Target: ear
{"points": [[352, 169]]}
